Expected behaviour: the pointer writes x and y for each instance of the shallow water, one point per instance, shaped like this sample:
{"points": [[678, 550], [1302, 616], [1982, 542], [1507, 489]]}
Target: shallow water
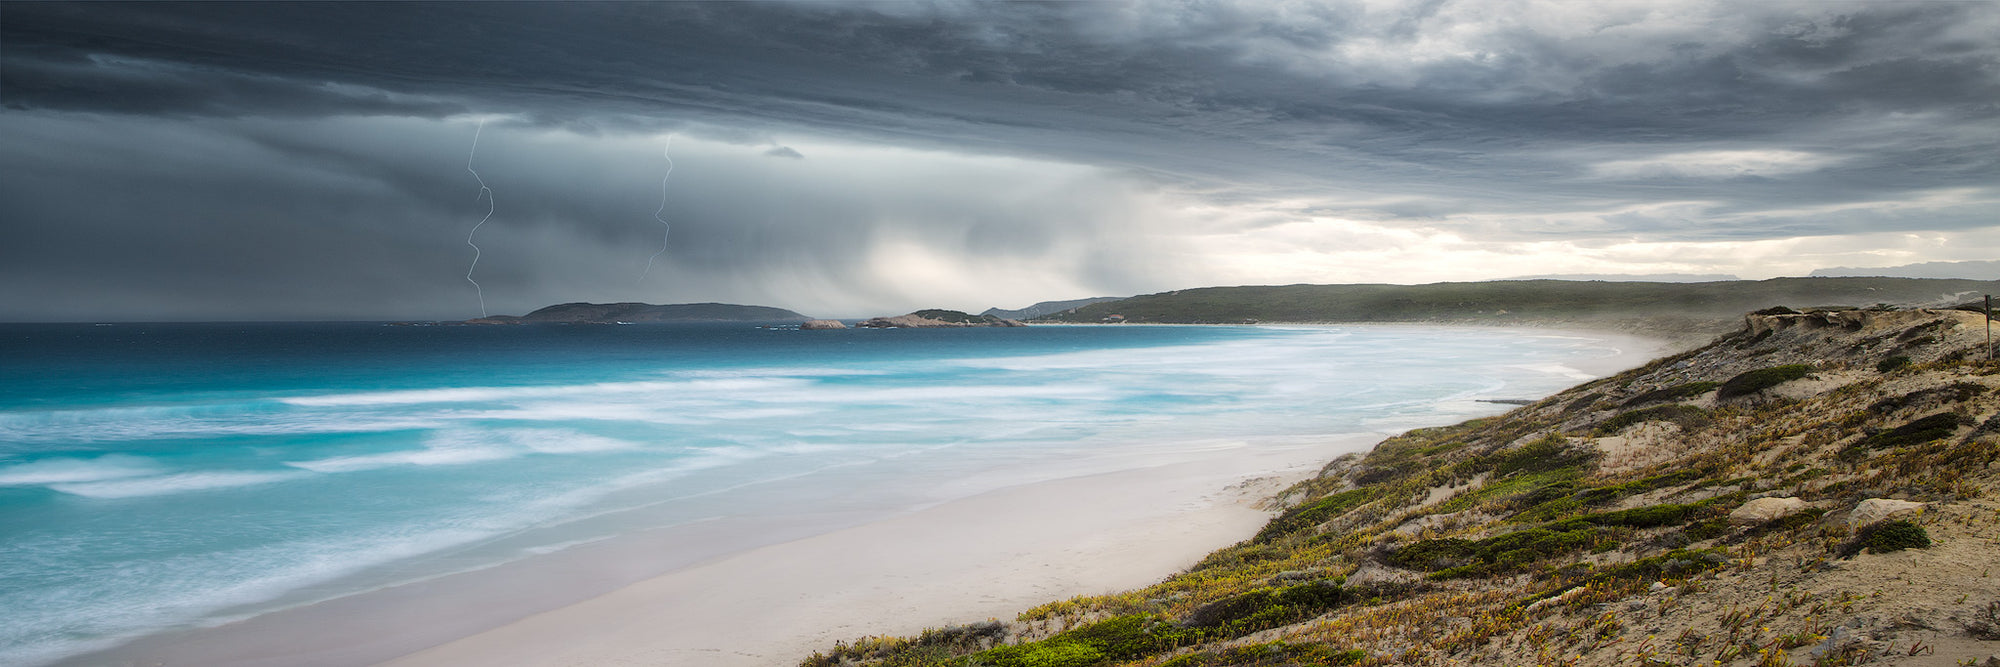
{"points": [[160, 476]]}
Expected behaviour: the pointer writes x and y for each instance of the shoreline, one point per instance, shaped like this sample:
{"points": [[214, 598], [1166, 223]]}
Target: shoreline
{"points": [[800, 588], [986, 556], [1052, 554]]}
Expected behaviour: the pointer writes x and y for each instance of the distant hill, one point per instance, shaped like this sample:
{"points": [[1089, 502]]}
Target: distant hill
{"points": [[1970, 270], [606, 313], [1690, 307], [1635, 277], [1047, 308]]}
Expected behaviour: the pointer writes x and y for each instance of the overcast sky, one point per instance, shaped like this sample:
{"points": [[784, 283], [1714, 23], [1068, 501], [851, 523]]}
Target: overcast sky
{"points": [[310, 161]]}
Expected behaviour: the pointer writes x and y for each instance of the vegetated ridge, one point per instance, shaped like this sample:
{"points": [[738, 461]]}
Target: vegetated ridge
{"points": [[1815, 488], [1046, 308], [937, 318], [609, 313], [1710, 308]]}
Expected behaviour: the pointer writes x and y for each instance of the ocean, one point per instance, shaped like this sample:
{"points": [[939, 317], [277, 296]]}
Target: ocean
{"points": [[164, 476]]}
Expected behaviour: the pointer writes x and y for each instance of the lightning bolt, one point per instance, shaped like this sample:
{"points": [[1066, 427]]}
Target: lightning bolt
{"points": [[663, 207], [487, 194]]}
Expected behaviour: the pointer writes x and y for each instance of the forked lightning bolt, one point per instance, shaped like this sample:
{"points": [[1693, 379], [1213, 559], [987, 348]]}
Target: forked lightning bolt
{"points": [[486, 193], [664, 148]]}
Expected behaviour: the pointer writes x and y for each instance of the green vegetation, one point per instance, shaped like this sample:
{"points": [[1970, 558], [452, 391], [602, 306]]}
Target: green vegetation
{"points": [[1273, 654], [1919, 431], [1265, 608], [1955, 392], [1115, 639], [1454, 558], [1315, 513], [1751, 382], [1892, 363], [1702, 306], [1895, 535], [958, 316], [1673, 393], [1135, 635], [1686, 416], [1548, 454]]}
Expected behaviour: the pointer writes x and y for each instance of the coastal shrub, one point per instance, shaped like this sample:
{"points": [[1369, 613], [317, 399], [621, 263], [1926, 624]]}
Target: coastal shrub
{"points": [[1265, 608], [1582, 402], [1605, 494], [1673, 393], [1892, 363], [1676, 563], [1314, 513], [1548, 454], [1239, 555], [1041, 654], [1686, 416], [1456, 558], [1502, 493], [1435, 554], [1564, 497], [1705, 530], [1121, 638], [1750, 382], [1919, 431], [1895, 535], [1956, 392], [1274, 654], [1548, 500], [1650, 516]]}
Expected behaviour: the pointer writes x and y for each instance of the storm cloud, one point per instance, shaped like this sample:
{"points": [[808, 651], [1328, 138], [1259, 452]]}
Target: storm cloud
{"points": [[306, 160]]}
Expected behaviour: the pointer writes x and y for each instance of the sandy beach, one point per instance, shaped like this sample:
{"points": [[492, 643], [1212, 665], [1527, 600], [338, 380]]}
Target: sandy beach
{"points": [[741, 602], [991, 555]]}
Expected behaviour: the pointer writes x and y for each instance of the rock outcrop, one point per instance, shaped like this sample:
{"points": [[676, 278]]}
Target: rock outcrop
{"points": [[822, 325], [1765, 510], [937, 319], [1873, 510]]}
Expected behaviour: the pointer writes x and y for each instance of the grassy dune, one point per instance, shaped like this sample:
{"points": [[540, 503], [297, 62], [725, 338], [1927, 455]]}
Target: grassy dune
{"points": [[1829, 509]]}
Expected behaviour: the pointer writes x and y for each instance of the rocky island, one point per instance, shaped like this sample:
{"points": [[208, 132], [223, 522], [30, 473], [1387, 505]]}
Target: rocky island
{"points": [[937, 318]]}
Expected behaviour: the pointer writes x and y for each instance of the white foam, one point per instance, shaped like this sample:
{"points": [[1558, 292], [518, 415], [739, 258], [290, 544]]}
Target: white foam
{"points": [[66, 470], [158, 485], [465, 446], [507, 394], [1557, 369]]}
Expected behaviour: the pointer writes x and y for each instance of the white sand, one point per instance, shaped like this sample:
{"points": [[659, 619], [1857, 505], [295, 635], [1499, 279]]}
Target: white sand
{"points": [[988, 556]]}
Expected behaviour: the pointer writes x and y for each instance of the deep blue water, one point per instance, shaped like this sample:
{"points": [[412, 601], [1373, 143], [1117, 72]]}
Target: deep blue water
{"points": [[155, 476]]}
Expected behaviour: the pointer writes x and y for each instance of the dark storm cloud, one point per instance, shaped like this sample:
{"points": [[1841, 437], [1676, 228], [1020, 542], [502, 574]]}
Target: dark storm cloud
{"points": [[1501, 122]]}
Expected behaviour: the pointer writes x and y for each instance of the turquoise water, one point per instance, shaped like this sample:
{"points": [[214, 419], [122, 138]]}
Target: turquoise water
{"points": [[160, 476]]}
